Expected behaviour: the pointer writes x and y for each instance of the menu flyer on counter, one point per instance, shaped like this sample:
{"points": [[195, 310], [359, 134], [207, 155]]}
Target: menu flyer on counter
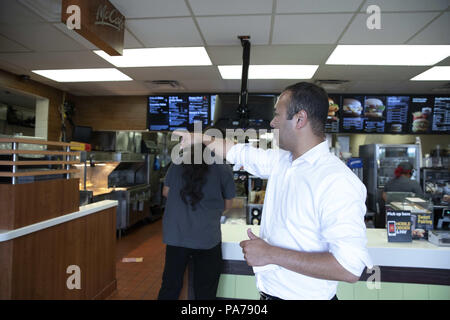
{"points": [[421, 224], [398, 224]]}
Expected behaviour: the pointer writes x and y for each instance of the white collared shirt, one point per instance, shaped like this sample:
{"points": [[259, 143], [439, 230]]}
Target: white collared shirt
{"points": [[312, 204]]}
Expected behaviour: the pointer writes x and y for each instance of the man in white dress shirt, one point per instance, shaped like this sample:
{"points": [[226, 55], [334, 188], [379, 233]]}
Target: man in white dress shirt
{"points": [[312, 228]]}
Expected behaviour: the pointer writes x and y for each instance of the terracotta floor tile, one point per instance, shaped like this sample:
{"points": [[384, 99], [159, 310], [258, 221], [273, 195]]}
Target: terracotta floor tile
{"points": [[140, 280]]}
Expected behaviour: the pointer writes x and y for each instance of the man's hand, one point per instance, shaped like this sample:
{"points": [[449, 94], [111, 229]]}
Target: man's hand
{"points": [[256, 250]]}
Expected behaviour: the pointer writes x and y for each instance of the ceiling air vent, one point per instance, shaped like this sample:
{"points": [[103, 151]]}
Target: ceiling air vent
{"points": [[332, 84], [444, 88], [164, 85]]}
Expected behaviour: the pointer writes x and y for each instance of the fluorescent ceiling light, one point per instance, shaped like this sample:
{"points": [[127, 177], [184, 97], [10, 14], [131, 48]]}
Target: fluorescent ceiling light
{"points": [[84, 75], [159, 57], [441, 73], [270, 71], [389, 55]]}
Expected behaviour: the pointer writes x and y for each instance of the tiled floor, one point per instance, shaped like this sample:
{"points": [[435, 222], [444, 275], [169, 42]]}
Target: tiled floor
{"points": [[140, 280]]}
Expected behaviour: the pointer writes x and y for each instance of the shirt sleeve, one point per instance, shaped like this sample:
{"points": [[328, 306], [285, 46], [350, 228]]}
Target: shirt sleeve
{"points": [[342, 223], [169, 176], [256, 161], [227, 181]]}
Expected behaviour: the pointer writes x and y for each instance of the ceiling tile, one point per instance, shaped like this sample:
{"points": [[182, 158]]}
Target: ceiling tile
{"points": [[130, 41], [173, 73], [12, 12], [313, 29], [396, 28], [7, 45], [379, 73], [318, 6], [49, 10], [409, 5], [237, 7], [436, 33], [275, 54], [174, 32], [40, 37], [151, 9], [212, 86], [56, 60], [225, 30]]}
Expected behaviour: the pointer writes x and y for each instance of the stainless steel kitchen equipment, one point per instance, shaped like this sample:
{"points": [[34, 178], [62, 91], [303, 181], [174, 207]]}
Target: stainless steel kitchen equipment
{"points": [[379, 163], [120, 176]]}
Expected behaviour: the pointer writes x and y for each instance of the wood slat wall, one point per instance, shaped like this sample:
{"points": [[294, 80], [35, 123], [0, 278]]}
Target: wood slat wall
{"points": [[111, 112]]}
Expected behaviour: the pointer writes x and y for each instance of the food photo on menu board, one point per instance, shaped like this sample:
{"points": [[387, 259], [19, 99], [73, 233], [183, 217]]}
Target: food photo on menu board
{"points": [[352, 108], [332, 124], [363, 114], [421, 110]]}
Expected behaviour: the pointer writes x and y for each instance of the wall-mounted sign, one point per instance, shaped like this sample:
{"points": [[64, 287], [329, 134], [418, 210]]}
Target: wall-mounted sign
{"points": [[98, 21]]}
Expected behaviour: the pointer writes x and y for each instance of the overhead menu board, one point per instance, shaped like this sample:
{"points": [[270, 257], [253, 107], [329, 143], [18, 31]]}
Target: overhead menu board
{"points": [[177, 112], [441, 115], [374, 114], [397, 114], [158, 113], [363, 114]]}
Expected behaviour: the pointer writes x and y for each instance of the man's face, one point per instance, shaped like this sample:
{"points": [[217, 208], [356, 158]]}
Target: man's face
{"points": [[280, 122]]}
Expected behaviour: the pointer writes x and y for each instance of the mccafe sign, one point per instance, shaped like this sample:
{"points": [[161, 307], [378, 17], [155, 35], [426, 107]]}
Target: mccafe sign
{"points": [[98, 21], [107, 16]]}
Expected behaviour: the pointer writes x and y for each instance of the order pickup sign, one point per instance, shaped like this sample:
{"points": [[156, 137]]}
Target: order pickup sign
{"points": [[398, 224]]}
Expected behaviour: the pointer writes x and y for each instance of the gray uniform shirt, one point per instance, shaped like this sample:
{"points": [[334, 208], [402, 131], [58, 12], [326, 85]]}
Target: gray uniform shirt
{"points": [[199, 229], [403, 184]]}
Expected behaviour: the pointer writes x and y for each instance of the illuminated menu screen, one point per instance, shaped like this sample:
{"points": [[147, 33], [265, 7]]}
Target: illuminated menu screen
{"points": [[199, 109], [363, 114], [177, 112], [374, 114], [397, 114], [158, 113], [441, 115]]}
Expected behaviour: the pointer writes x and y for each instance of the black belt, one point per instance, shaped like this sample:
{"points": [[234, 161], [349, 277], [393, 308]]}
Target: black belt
{"points": [[265, 296]]}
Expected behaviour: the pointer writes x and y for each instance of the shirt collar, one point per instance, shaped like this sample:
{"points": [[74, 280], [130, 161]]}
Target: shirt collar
{"points": [[313, 154]]}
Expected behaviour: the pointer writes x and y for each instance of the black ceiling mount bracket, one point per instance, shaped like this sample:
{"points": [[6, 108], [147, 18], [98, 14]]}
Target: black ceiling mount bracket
{"points": [[243, 97]]}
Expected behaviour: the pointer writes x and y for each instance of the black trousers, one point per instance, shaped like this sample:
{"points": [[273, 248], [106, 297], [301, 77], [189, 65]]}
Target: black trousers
{"points": [[207, 268]]}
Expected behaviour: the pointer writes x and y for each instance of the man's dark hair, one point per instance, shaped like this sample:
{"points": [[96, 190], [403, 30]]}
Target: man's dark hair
{"points": [[313, 100]]}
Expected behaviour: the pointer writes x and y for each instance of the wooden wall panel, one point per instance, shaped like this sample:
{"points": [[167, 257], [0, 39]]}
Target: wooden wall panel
{"points": [[40, 260], [55, 96], [111, 112]]}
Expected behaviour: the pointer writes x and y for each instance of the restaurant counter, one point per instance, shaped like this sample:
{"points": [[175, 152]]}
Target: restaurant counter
{"points": [[414, 270], [71, 256]]}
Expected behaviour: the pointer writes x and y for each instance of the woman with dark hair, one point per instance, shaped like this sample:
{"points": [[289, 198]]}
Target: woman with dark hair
{"points": [[197, 194]]}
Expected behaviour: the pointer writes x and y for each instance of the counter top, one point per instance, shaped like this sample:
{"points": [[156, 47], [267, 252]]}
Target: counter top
{"points": [[6, 235], [415, 254]]}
